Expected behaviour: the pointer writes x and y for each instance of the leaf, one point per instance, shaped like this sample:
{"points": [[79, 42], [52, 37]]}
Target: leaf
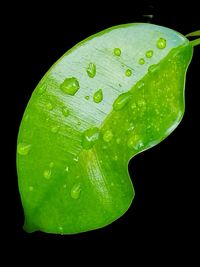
{"points": [[107, 99]]}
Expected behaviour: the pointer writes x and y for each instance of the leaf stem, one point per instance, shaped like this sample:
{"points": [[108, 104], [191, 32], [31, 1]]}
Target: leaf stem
{"points": [[191, 34], [195, 42]]}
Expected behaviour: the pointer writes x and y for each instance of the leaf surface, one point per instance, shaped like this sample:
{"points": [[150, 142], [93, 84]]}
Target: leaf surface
{"points": [[110, 97]]}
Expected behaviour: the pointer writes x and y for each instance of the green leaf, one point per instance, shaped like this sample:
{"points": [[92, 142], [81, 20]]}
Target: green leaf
{"points": [[107, 99]]}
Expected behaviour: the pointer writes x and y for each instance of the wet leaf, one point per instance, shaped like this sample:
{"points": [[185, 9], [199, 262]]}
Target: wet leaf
{"points": [[109, 98]]}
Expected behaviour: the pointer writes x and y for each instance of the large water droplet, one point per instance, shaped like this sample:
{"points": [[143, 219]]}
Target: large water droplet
{"points": [[91, 70], [161, 43], [98, 96], [23, 149], [117, 52], [107, 136], [47, 174], [70, 86], [141, 61], [65, 111], [149, 54], [121, 101], [128, 72], [89, 138], [76, 191]]}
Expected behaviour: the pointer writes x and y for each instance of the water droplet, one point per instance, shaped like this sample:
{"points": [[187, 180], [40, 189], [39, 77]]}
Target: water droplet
{"points": [[75, 191], [121, 101], [128, 72], [54, 129], [67, 168], [65, 111], [134, 142], [91, 70], [140, 84], [161, 43], [108, 135], [149, 53], [60, 229], [117, 52], [153, 68], [70, 86], [98, 96], [49, 106], [76, 158], [47, 174], [90, 137], [141, 61], [87, 97], [31, 188], [23, 149], [112, 184]]}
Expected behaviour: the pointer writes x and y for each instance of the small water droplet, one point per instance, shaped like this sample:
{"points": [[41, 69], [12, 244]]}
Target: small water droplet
{"points": [[47, 174], [161, 43], [76, 191], [108, 135], [121, 101], [31, 188], [149, 53], [23, 149], [49, 106], [90, 136], [60, 229], [70, 86], [141, 61], [87, 97], [65, 111], [128, 72], [153, 68], [134, 142], [54, 129], [98, 96], [117, 52], [67, 168], [91, 70], [112, 184], [76, 159], [65, 186]]}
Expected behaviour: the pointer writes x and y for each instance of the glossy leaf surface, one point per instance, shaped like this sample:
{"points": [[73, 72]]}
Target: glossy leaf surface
{"points": [[110, 97]]}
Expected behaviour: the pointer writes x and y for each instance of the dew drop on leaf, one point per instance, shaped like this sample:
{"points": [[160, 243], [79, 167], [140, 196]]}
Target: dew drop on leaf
{"points": [[98, 96], [161, 43], [23, 149], [76, 191], [117, 52], [91, 70], [70, 86]]}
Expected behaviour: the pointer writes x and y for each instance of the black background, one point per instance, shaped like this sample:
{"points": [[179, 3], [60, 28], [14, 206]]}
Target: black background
{"points": [[162, 221]]}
